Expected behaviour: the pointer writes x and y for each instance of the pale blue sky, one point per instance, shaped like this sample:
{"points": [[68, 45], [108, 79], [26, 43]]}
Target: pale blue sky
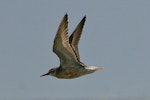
{"points": [[116, 36]]}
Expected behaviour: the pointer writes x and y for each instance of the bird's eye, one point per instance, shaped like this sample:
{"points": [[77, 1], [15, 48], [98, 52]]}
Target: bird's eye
{"points": [[52, 70]]}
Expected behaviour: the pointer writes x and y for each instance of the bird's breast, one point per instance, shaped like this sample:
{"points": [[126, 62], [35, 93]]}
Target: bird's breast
{"points": [[69, 73]]}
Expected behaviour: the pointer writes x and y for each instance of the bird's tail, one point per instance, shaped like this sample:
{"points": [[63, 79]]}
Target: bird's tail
{"points": [[94, 68]]}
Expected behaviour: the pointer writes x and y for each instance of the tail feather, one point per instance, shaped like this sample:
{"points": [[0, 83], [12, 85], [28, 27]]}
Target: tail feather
{"points": [[94, 68]]}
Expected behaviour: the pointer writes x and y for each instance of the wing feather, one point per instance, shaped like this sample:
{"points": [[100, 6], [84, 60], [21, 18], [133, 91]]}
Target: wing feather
{"points": [[75, 37], [61, 46]]}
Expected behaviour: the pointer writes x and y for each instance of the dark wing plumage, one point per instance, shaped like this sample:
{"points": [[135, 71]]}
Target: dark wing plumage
{"points": [[75, 37], [61, 46]]}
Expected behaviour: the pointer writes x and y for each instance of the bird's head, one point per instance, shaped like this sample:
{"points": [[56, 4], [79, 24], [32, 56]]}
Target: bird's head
{"points": [[51, 72]]}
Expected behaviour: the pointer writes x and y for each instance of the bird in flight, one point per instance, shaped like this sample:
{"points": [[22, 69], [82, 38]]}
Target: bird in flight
{"points": [[66, 48]]}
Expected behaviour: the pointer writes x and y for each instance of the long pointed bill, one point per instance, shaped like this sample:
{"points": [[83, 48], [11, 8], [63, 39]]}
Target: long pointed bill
{"points": [[44, 74]]}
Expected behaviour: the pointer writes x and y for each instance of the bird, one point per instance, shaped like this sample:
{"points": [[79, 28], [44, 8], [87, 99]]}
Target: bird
{"points": [[66, 48]]}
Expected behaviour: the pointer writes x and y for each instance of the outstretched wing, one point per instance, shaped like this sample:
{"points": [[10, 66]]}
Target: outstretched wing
{"points": [[75, 37], [61, 46]]}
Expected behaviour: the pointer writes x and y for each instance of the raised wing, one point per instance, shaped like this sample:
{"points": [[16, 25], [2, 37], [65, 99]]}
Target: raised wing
{"points": [[61, 46], [75, 37]]}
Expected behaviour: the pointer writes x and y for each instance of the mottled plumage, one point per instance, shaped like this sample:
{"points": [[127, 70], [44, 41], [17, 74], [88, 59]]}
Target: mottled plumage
{"points": [[66, 48]]}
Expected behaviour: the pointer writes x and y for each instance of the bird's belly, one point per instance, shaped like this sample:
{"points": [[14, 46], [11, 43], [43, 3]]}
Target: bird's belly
{"points": [[70, 73]]}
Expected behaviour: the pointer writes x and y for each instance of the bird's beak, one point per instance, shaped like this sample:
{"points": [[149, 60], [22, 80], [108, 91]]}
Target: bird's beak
{"points": [[44, 74]]}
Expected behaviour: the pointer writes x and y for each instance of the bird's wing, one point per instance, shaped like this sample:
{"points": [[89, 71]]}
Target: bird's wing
{"points": [[61, 46], [75, 37]]}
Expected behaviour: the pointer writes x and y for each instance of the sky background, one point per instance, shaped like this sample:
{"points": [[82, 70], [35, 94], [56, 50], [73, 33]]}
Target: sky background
{"points": [[116, 36]]}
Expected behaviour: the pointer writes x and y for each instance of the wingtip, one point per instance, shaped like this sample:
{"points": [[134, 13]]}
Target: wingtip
{"points": [[83, 20], [66, 15], [84, 17], [64, 20]]}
